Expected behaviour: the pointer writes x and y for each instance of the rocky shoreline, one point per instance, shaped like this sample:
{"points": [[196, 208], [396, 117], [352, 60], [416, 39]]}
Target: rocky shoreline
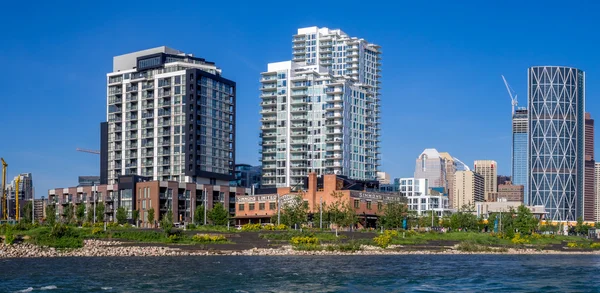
{"points": [[99, 248]]}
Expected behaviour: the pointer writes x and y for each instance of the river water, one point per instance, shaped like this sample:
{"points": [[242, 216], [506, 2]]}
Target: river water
{"points": [[400, 273]]}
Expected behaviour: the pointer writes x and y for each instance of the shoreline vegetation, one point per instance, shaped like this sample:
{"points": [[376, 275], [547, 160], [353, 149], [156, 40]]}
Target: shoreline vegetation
{"points": [[60, 240]]}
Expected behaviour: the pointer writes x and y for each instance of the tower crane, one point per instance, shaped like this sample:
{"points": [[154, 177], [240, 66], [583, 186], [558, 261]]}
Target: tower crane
{"points": [[512, 94], [95, 152], [4, 202]]}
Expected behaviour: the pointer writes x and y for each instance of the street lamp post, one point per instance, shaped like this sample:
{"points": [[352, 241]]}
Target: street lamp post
{"points": [[278, 210], [94, 194], [321, 214], [205, 203]]}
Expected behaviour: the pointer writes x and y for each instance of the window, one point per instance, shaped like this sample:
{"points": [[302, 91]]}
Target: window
{"points": [[369, 205], [251, 206], [379, 205], [241, 207], [271, 205], [261, 206], [356, 203]]}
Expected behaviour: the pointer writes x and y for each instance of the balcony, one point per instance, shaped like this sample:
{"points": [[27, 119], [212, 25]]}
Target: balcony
{"points": [[132, 89], [131, 98], [149, 85], [115, 100], [299, 93], [265, 88], [299, 39]]}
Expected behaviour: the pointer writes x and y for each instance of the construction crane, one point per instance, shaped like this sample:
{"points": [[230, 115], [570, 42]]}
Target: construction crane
{"points": [[4, 202], [512, 94], [95, 152]]}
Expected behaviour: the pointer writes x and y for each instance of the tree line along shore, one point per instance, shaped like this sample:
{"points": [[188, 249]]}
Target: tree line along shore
{"points": [[398, 231]]}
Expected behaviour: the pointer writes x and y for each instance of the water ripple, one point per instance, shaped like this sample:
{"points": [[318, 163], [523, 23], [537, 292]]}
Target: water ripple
{"points": [[401, 273]]}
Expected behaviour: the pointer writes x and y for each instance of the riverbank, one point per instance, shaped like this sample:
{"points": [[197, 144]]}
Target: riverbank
{"points": [[100, 248]]}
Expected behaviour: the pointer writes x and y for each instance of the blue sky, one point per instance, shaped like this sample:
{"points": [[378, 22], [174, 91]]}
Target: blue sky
{"points": [[441, 84]]}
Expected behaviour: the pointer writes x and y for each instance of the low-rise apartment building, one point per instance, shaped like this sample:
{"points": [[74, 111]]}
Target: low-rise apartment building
{"points": [[363, 196], [141, 193]]}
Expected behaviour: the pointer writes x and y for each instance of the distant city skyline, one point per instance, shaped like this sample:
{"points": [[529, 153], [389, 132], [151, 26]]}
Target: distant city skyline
{"points": [[441, 86]]}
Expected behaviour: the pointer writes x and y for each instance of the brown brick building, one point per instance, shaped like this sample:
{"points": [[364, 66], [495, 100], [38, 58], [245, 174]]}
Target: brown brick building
{"points": [[589, 194], [367, 204], [510, 192], [139, 193]]}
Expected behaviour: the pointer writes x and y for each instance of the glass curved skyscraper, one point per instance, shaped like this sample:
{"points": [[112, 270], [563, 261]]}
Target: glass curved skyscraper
{"points": [[556, 140]]}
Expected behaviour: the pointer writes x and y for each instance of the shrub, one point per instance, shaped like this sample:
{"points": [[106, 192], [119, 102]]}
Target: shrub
{"points": [[281, 227], [536, 236], [97, 230], [203, 238], [173, 238], [304, 240], [191, 226], [595, 245], [100, 224], [308, 247], [252, 227], [9, 237], [383, 240], [518, 240], [86, 225], [112, 225], [472, 247], [60, 230], [392, 233], [351, 246], [572, 245]]}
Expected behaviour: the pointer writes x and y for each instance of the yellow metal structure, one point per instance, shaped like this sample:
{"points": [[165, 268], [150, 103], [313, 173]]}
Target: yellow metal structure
{"points": [[17, 198], [4, 202]]}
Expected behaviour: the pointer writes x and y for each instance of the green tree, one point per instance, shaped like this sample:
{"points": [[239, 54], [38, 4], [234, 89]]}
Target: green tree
{"points": [[80, 213], [294, 212], [394, 214], [90, 214], [51, 214], [121, 215], [464, 219], [100, 212], [316, 220], [135, 215], [525, 222], [26, 213], [199, 215], [425, 219], [341, 211], [68, 213], [580, 227], [150, 217], [167, 222], [218, 215]]}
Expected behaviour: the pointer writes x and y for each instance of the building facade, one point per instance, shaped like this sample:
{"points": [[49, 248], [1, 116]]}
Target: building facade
{"points": [[317, 192], [450, 165], [320, 111], [384, 178], [589, 185], [469, 188], [597, 188], [421, 198], [489, 170], [509, 192], [431, 166], [247, 176], [170, 116], [88, 180], [143, 194], [556, 97], [520, 134]]}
